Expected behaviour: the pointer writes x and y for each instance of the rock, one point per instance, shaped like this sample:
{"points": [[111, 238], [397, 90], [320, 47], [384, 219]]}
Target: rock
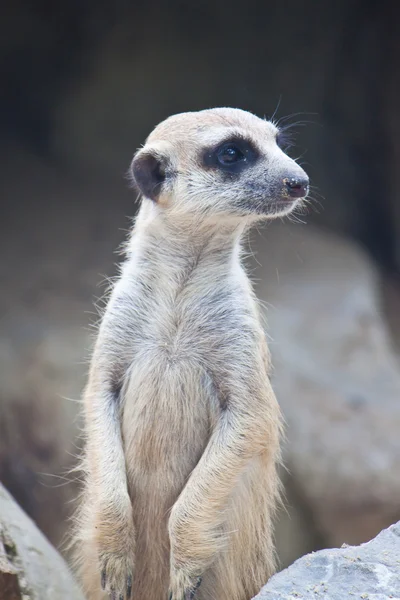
{"points": [[391, 303], [369, 572], [295, 531], [9, 584], [30, 568], [57, 257], [337, 379]]}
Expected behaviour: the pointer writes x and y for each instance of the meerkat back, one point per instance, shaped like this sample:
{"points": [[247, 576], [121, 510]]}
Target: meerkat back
{"points": [[182, 426]]}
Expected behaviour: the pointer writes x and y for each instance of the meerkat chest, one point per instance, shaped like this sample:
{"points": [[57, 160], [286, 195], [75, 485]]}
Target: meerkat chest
{"points": [[170, 405], [178, 334], [195, 324]]}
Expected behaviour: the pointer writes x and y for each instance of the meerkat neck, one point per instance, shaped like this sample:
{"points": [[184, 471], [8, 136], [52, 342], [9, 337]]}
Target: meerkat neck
{"points": [[176, 243]]}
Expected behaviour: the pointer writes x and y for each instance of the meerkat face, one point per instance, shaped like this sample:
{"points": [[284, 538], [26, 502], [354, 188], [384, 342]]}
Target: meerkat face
{"points": [[220, 162]]}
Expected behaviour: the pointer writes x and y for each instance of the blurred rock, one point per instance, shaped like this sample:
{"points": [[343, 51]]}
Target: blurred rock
{"points": [[41, 385], [29, 566], [391, 304], [57, 257], [367, 571], [296, 533], [336, 378]]}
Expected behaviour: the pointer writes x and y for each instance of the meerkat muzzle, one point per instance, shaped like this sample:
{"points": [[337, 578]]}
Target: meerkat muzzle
{"points": [[296, 187]]}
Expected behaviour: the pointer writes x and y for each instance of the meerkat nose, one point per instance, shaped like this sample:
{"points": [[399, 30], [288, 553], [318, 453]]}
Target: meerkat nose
{"points": [[296, 186]]}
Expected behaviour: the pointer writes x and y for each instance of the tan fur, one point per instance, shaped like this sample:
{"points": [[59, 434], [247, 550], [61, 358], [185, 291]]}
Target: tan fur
{"points": [[182, 425]]}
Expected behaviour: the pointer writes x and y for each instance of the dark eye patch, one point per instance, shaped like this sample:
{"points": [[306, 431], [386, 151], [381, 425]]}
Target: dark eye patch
{"points": [[232, 156]]}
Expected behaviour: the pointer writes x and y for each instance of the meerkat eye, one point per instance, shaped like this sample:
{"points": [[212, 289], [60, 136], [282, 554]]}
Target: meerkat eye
{"points": [[229, 154], [232, 155]]}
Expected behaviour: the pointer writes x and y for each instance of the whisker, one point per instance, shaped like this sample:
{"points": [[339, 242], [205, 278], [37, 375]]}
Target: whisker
{"points": [[291, 116], [276, 109]]}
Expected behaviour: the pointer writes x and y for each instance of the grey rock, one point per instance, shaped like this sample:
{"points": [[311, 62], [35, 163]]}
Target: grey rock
{"points": [[58, 257], [26, 554], [368, 572], [337, 379]]}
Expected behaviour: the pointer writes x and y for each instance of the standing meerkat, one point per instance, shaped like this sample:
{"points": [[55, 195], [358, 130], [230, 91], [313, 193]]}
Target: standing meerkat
{"points": [[182, 425]]}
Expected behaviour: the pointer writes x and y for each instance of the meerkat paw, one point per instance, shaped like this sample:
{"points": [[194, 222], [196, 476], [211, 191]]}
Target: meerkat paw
{"points": [[183, 586], [116, 543], [116, 575]]}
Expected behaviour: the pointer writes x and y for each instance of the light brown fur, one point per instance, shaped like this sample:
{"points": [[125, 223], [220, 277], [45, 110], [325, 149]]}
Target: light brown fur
{"points": [[182, 425]]}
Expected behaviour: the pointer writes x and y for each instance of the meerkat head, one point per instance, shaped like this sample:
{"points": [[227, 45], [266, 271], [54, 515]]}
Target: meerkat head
{"points": [[219, 163]]}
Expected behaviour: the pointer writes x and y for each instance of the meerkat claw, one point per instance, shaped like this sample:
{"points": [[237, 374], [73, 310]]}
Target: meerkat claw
{"points": [[129, 586], [190, 594], [103, 579]]}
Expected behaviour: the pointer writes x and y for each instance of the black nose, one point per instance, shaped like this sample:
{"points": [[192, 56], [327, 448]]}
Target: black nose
{"points": [[297, 187]]}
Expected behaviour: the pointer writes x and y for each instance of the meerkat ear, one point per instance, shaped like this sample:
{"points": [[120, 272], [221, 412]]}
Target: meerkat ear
{"points": [[148, 170]]}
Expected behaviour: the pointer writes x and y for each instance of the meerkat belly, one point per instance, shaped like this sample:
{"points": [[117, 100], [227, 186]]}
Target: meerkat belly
{"points": [[168, 413]]}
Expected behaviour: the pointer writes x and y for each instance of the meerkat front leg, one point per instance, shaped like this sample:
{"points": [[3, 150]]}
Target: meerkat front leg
{"points": [[248, 426], [112, 521]]}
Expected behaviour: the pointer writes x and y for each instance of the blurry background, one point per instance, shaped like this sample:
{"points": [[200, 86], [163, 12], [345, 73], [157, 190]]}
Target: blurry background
{"points": [[82, 84]]}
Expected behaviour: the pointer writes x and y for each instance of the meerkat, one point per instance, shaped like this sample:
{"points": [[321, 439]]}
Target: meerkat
{"points": [[182, 425]]}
